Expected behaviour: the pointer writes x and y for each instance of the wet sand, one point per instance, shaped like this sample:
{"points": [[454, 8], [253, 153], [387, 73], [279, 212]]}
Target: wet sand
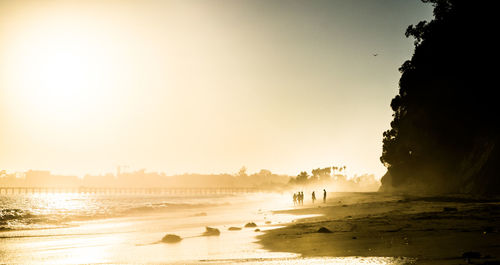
{"points": [[428, 230]]}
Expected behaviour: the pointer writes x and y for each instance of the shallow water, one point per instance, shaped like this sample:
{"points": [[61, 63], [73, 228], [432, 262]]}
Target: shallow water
{"points": [[35, 211], [83, 229]]}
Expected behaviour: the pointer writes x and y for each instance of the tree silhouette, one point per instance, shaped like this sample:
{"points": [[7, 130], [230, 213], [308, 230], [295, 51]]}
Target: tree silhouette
{"points": [[315, 173], [302, 177], [325, 174], [242, 172], [334, 168], [444, 132]]}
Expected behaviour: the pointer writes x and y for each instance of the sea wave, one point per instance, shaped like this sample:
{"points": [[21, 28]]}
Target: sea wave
{"points": [[12, 219], [43, 213], [12, 214]]}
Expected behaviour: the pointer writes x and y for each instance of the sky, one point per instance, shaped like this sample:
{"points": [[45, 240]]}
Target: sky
{"points": [[200, 86]]}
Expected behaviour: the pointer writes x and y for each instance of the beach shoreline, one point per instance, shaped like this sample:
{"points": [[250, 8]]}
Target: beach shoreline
{"points": [[136, 238], [430, 230], [368, 228]]}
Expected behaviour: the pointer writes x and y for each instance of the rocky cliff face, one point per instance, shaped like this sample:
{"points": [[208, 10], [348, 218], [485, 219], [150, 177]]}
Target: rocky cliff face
{"points": [[480, 171], [477, 173]]}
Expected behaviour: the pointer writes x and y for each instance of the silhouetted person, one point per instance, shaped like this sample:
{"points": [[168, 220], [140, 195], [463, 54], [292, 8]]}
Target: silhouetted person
{"points": [[324, 196], [294, 199], [313, 196]]}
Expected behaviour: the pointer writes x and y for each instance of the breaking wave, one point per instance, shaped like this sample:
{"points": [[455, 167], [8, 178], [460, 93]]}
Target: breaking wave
{"points": [[38, 212]]}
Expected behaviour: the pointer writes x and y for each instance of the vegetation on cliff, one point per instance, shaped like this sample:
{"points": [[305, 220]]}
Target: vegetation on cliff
{"points": [[444, 133]]}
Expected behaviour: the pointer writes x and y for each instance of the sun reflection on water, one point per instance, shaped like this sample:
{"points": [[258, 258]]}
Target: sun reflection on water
{"points": [[58, 203]]}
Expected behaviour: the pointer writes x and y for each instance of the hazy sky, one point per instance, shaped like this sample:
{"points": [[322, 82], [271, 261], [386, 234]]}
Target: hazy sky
{"points": [[199, 86]]}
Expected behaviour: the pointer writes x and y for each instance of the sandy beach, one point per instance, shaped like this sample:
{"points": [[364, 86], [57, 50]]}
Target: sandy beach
{"points": [[428, 230]]}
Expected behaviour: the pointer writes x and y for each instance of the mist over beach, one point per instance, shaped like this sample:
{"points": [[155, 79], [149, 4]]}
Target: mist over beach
{"points": [[249, 132]]}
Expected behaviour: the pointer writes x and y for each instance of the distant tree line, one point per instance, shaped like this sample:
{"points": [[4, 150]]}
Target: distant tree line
{"points": [[335, 179]]}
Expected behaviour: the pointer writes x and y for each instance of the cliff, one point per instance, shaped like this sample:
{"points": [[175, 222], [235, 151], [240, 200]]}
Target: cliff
{"points": [[444, 137]]}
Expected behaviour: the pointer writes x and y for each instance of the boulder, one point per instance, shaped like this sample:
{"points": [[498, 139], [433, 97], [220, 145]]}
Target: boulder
{"points": [[171, 238], [211, 231], [251, 224], [324, 230]]}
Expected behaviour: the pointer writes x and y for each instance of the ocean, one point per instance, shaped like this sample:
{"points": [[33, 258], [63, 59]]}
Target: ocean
{"points": [[71, 228], [41, 211]]}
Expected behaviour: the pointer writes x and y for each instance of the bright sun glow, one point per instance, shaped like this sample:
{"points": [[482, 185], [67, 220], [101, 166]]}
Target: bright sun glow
{"points": [[188, 86], [63, 82], [60, 69]]}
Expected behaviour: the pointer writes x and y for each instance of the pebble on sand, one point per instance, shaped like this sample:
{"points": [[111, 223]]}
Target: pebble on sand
{"points": [[171, 238], [211, 231]]}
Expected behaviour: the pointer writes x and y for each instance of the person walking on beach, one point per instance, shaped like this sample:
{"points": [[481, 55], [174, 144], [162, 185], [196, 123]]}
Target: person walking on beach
{"points": [[294, 199], [301, 198], [313, 197], [324, 196]]}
